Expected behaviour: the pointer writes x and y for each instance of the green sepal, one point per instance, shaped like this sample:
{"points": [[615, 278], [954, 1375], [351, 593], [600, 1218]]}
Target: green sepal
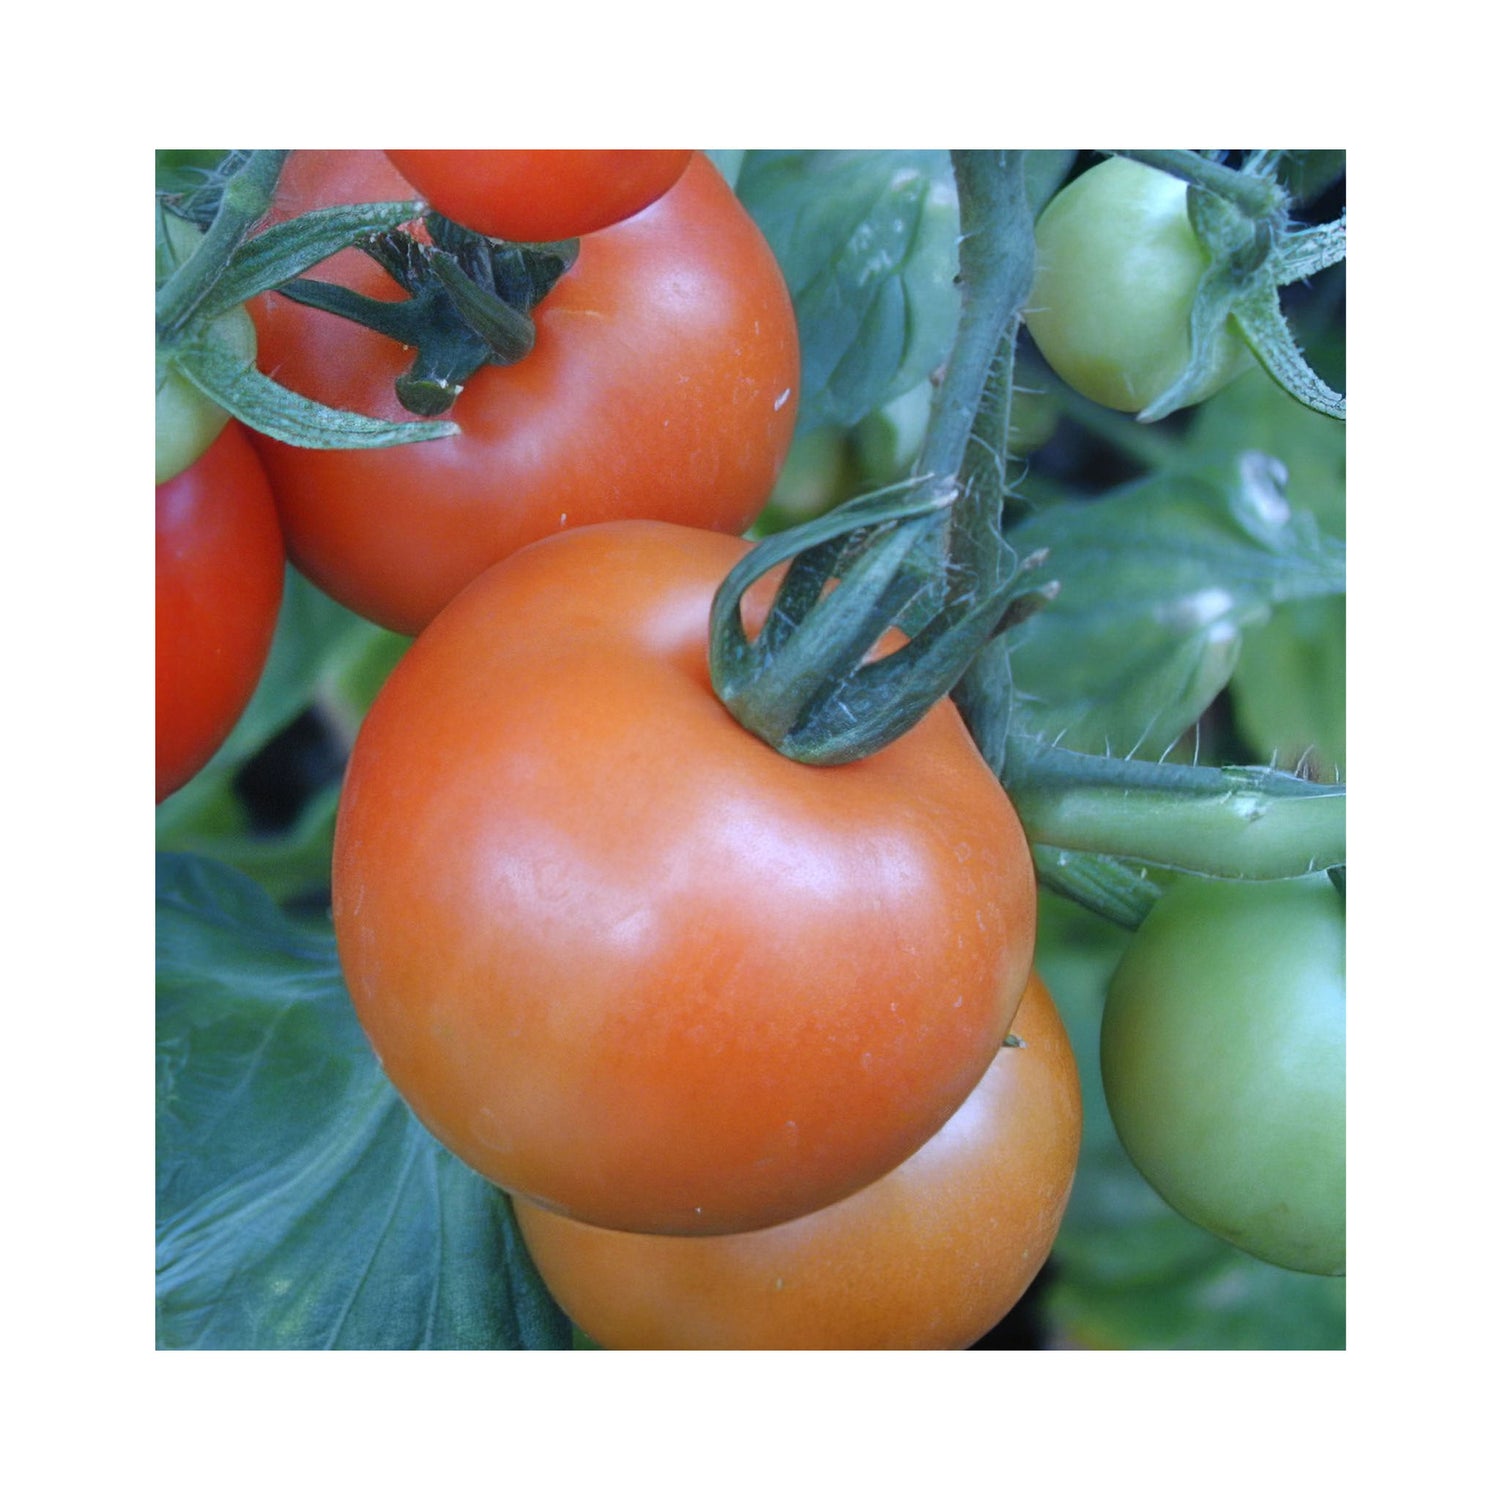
{"points": [[521, 275], [393, 320], [286, 250], [1097, 882], [1238, 251], [1249, 260], [1305, 252], [205, 275], [925, 557], [469, 304], [259, 402], [878, 701], [984, 695], [507, 333], [813, 639], [1269, 337]]}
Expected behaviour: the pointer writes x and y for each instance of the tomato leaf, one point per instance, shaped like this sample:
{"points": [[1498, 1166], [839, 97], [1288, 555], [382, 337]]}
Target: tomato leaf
{"points": [[1255, 413], [1158, 583], [867, 243], [300, 1205], [1288, 688]]}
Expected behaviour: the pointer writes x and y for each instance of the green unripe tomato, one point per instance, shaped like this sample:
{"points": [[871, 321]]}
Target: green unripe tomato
{"points": [[187, 422], [1222, 1051], [1117, 267]]}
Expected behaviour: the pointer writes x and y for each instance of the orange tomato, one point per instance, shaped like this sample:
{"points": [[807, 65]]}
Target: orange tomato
{"points": [[929, 1257], [624, 958]]}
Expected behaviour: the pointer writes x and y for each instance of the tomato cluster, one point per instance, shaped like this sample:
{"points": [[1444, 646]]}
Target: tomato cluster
{"points": [[627, 960], [929, 1257], [653, 978], [756, 1047]]}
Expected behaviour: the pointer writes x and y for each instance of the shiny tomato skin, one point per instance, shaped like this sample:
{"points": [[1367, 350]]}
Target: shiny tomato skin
{"points": [[625, 959], [931, 1256], [663, 385], [540, 195], [219, 571]]}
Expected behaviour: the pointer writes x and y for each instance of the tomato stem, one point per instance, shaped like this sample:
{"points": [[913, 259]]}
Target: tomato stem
{"points": [[469, 304], [929, 559], [1256, 194], [246, 200], [1236, 823], [996, 258]]}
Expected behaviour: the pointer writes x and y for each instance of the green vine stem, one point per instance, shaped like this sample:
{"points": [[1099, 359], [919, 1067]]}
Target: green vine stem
{"points": [[228, 266], [1255, 193], [247, 200], [940, 571], [996, 257], [1235, 823]]}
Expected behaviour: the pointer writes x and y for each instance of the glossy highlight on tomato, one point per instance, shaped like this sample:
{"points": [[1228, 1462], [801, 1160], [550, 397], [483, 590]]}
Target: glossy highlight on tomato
{"points": [[931, 1256], [219, 572], [540, 195], [1223, 1053], [663, 385], [625, 959], [1117, 268]]}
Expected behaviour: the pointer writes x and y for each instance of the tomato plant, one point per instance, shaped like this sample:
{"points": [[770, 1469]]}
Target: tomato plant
{"points": [[668, 898], [1223, 1058], [1117, 267], [585, 918], [540, 195], [187, 422], [219, 570], [928, 1257], [662, 384]]}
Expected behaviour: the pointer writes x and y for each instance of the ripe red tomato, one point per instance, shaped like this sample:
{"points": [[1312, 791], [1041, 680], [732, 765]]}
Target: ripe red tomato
{"points": [[219, 572], [624, 958], [540, 195], [931, 1256], [663, 384]]}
